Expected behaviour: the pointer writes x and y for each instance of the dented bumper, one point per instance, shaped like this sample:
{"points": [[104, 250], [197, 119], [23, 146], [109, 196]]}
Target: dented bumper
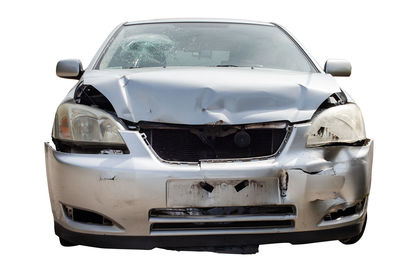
{"points": [[322, 184]]}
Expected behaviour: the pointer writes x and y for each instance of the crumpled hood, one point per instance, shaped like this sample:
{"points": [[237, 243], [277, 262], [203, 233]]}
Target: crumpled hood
{"points": [[212, 95]]}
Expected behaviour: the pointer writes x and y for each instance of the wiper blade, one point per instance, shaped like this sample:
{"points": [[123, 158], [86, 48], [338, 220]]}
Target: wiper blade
{"points": [[226, 65], [139, 67]]}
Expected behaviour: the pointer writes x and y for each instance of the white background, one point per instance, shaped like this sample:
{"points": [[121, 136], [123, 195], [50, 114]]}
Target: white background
{"points": [[35, 34]]}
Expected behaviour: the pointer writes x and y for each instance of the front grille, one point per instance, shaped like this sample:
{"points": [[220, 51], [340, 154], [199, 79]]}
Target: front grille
{"points": [[222, 218], [221, 225], [195, 143]]}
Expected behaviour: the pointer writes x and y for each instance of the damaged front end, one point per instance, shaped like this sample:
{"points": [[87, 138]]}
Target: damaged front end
{"points": [[264, 182], [221, 158]]}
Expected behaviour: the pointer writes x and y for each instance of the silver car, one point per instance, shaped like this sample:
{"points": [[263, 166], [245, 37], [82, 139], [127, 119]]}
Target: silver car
{"points": [[215, 135]]}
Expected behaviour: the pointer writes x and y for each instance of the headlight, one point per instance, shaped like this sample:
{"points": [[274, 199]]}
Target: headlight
{"points": [[82, 123], [339, 124]]}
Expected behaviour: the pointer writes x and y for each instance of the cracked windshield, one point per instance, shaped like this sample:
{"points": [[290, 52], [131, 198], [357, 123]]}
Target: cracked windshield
{"points": [[203, 45]]}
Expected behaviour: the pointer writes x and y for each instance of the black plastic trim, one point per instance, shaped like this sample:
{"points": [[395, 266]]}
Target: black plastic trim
{"points": [[79, 147], [193, 241]]}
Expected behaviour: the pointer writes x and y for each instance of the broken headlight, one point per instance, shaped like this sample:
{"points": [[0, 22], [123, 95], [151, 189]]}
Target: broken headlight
{"points": [[336, 125], [80, 123]]}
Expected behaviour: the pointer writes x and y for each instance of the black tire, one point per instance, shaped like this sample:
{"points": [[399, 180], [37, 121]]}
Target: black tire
{"points": [[354, 239], [66, 243]]}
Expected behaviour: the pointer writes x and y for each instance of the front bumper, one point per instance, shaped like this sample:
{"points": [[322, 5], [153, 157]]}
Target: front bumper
{"points": [[205, 242], [124, 188]]}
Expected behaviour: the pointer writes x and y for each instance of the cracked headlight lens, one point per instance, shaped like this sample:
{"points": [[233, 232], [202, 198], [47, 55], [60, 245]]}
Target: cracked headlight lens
{"points": [[336, 125], [82, 123]]}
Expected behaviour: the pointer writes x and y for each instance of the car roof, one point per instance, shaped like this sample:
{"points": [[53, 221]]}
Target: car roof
{"points": [[211, 20]]}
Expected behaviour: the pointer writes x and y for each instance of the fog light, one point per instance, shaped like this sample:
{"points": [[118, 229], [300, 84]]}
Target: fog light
{"points": [[357, 208], [85, 216]]}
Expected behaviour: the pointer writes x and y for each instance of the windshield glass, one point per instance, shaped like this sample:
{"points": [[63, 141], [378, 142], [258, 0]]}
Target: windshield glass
{"points": [[203, 44]]}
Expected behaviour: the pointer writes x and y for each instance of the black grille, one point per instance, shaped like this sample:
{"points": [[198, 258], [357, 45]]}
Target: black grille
{"points": [[223, 218], [213, 142], [269, 210], [221, 225]]}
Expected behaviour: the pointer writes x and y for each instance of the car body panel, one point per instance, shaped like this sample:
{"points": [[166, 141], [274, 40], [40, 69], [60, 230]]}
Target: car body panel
{"points": [[126, 187], [202, 95]]}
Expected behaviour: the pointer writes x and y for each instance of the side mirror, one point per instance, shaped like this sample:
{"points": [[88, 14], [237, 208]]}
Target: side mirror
{"points": [[338, 67], [69, 68]]}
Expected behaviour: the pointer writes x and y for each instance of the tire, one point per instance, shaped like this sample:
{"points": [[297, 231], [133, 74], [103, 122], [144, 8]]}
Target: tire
{"points": [[66, 243], [354, 239]]}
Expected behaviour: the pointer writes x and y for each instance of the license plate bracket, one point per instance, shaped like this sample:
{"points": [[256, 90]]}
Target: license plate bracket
{"points": [[222, 192]]}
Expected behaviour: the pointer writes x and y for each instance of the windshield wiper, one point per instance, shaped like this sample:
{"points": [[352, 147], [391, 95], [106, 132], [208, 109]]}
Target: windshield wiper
{"points": [[226, 65]]}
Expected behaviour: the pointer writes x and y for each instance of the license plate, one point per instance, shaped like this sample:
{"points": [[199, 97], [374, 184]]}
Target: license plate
{"points": [[221, 192]]}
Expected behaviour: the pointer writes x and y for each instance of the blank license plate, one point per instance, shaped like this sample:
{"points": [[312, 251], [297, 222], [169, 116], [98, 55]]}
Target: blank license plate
{"points": [[221, 192]]}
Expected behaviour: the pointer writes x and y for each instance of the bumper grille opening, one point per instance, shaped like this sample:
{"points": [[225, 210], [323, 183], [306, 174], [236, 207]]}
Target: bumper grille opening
{"points": [[225, 211], [211, 142], [222, 218], [345, 212], [84, 216], [221, 225]]}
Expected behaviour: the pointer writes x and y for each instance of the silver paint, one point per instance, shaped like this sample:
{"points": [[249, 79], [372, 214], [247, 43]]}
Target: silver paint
{"points": [[344, 173], [204, 95], [69, 68], [338, 67]]}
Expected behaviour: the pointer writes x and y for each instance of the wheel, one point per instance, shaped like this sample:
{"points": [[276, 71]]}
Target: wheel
{"points": [[66, 243], [354, 239]]}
